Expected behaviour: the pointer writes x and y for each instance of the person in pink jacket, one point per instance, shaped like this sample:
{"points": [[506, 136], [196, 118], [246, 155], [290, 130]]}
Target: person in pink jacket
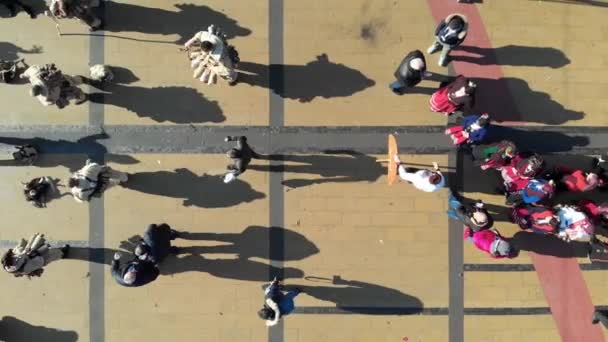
{"points": [[491, 242]]}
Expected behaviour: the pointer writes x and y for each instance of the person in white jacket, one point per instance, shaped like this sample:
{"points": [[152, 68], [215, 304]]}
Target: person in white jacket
{"points": [[93, 178], [29, 257], [210, 56]]}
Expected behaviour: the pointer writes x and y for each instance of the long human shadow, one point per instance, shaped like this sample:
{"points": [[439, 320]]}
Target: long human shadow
{"points": [[103, 256], [13, 329], [580, 2], [184, 22], [541, 141], [38, 7], [361, 297], [549, 245], [78, 151], [252, 242], [512, 99], [205, 191], [10, 51], [171, 103], [319, 78], [332, 167], [515, 55]]}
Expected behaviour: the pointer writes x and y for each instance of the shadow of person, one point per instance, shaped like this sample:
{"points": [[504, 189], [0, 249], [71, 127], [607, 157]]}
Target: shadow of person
{"points": [[515, 55], [597, 3], [332, 166], [541, 141], [50, 151], [13, 329], [361, 297], [102, 256], [172, 103], [549, 245], [234, 268], [511, 99], [206, 191], [252, 242], [9, 51], [184, 22], [319, 78], [37, 7]]}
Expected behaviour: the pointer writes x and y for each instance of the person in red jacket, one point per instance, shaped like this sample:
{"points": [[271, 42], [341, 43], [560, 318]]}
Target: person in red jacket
{"points": [[454, 96], [491, 242], [576, 180]]}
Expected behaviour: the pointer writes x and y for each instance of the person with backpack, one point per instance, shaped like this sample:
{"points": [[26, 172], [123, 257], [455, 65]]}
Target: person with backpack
{"points": [[37, 190], [491, 242], [94, 178], [520, 171], [535, 192], [495, 156], [410, 72], [575, 180], [473, 130], [450, 33], [28, 258], [277, 303], [241, 156], [574, 224], [475, 216], [538, 219], [156, 243], [133, 273], [212, 56], [454, 96]]}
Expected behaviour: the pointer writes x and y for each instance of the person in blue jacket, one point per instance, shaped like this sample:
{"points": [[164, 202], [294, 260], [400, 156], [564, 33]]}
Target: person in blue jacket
{"points": [[473, 130], [450, 33]]}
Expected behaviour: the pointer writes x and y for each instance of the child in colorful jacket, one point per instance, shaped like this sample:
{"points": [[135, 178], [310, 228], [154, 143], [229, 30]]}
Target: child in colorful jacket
{"points": [[473, 130], [491, 242]]}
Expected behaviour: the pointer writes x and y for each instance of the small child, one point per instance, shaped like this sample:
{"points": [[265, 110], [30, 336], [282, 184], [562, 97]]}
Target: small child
{"points": [[473, 130]]}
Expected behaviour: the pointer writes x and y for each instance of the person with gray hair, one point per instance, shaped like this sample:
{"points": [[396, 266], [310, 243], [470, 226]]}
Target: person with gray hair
{"points": [[410, 72], [133, 273]]}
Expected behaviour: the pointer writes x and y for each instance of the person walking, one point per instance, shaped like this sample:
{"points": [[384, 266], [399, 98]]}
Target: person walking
{"points": [[410, 72], [476, 217], [425, 180], [277, 303], [454, 96], [241, 156], [491, 242], [52, 87], [37, 190], [156, 243], [94, 178], [133, 273], [212, 56], [450, 33], [79, 9], [28, 258], [473, 130]]}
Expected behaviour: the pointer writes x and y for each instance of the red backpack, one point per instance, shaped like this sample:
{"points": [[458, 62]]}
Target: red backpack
{"points": [[538, 219]]}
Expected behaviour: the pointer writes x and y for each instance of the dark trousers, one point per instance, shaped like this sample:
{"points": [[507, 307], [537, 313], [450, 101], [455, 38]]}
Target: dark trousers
{"points": [[602, 317], [12, 7]]}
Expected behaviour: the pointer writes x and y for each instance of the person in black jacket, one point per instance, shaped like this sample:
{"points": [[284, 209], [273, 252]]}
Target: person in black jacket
{"points": [[241, 156], [450, 33], [473, 216], [156, 243], [410, 72], [134, 273]]}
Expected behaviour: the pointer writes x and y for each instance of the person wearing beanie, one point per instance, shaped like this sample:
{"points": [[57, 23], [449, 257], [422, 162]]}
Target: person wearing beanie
{"points": [[410, 72], [450, 33], [491, 242], [473, 130]]}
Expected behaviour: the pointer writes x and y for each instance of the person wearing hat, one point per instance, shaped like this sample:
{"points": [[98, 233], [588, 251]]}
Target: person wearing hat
{"points": [[491, 242], [535, 192], [474, 216], [495, 156], [133, 273], [410, 72], [453, 96], [156, 243], [520, 171], [473, 129], [450, 33], [425, 180], [241, 156]]}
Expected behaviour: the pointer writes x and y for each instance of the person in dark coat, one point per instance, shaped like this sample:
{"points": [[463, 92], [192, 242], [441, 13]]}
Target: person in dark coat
{"points": [[12, 7], [410, 72], [133, 273], [450, 33], [241, 156], [454, 96], [473, 130], [156, 243], [474, 216]]}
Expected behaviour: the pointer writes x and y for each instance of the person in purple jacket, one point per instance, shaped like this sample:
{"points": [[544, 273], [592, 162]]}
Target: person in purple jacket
{"points": [[473, 130]]}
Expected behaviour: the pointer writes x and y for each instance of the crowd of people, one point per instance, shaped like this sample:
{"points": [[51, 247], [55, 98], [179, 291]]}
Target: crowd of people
{"points": [[530, 187]]}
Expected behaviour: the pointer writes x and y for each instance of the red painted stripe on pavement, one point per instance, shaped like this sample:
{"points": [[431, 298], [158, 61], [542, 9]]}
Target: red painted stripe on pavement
{"points": [[493, 95], [561, 279], [568, 296]]}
